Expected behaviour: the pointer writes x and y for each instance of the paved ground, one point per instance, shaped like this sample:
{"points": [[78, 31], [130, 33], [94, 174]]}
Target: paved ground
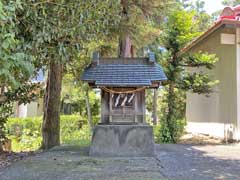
{"points": [[205, 162], [172, 162]]}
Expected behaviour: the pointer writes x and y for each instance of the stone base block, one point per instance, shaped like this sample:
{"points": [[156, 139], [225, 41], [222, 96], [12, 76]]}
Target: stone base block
{"points": [[122, 141]]}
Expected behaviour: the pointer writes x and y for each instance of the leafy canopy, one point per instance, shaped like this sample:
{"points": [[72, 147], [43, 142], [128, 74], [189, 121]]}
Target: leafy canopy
{"points": [[16, 65], [57, 30]]}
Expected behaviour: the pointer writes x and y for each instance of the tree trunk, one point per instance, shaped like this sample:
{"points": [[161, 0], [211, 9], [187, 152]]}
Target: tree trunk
{"points": [[90, 123], [155, 97], [51, 119], [170, 114], [3, 98], [125, 47]]}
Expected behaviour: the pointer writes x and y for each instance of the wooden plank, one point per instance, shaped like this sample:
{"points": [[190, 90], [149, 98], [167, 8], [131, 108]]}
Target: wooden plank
{"points": [[140, 107], [102, 106], [143, 106], [135, 107], [110, 108]]}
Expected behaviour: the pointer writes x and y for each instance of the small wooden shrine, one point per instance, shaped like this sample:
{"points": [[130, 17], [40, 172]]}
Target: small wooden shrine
{"points": [[123, 128]]}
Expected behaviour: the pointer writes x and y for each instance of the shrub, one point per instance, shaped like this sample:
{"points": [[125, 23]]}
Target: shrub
{"points": [[78, 136], [173, 134], [74, 130], [25, 133]]}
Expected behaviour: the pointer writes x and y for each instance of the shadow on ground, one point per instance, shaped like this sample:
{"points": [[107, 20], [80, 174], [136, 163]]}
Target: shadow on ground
{"points": [[204, 162]]}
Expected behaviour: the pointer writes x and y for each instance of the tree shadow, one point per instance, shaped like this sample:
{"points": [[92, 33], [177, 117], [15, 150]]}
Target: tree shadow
{"points": [[199, 162]]}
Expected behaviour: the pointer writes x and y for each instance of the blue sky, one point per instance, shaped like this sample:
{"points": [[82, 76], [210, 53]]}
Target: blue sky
{"points": [[212, 5]]}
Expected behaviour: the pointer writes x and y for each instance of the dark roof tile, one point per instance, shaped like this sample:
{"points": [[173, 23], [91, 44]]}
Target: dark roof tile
{"points": [[124, 75]]}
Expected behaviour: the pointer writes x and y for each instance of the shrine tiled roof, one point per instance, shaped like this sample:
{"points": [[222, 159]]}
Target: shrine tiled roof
{"points": [[131, 72]]}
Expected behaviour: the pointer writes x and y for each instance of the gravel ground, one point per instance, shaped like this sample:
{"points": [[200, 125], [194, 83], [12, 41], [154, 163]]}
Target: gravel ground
{"points": [[73, 163], [172, 162], [7, 158], [200, 162]]}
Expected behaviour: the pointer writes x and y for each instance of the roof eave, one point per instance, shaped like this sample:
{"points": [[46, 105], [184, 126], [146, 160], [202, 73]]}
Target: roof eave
{"points": [[211, 30], [153, 84]]}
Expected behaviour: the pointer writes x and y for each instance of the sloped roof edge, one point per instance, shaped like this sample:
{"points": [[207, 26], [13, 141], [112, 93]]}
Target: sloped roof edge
{"points": [[211, 30], [121, 73]]}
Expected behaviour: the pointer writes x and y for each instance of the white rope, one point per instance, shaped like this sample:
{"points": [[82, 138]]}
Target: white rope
{"points": [[122, 92]]}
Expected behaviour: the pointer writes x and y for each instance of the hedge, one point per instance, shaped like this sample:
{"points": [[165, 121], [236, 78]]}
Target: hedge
{"points": [[25, 133]]}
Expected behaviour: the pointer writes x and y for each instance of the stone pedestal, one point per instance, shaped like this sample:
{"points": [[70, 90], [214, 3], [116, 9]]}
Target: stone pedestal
{"points": [[122, 141]]}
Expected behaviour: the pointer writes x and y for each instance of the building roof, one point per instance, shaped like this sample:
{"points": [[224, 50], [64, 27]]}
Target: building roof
{"points": [[219, 24], [129, 72]]}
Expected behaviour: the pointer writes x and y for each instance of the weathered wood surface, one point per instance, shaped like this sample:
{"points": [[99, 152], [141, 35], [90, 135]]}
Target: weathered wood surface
{"points": [[135, 114], [104, 107]]}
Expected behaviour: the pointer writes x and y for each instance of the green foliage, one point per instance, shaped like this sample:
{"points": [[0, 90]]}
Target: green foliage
{"points": [[182, 27], [156, 133], [25, 133], [57, 33], [74, 130], [199, 59], [172, 116], [231, 2], [81, 136], [140, 20], [16, 66], [197, 83], [204, 19], [59, 30], [149, 104], [5, 112], [26, 93], [167, 132], [73, 93], [179, 30]]}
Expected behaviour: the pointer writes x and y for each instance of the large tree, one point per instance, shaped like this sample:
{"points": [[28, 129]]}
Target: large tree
{"points": [[203, 22], [54, 32], [181, 28], [139, 24]]}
